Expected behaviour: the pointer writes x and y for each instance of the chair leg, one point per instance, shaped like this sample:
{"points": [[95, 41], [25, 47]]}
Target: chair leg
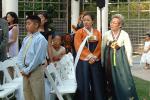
{"points": [[68, 96]]}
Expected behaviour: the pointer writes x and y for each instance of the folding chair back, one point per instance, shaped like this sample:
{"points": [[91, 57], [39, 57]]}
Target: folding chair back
{"points": [[12, 65], [51, 72], [15, 66], [5, 65], [5, 90], [67, 70], [14, 83], [61, 87]]}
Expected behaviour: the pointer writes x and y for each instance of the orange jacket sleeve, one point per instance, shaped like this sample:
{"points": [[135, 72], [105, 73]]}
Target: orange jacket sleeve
{"points": [[78, 39]]}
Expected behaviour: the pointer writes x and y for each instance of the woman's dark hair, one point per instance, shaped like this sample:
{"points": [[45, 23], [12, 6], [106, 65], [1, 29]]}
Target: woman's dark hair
{"points": [[147, 34], [46, 24], [14, 15], [89, 14], [44, 14]]}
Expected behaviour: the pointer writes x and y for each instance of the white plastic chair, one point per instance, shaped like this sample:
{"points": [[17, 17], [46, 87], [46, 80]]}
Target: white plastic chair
{"points": [[15, 66], [17, 82], [12, 62], [5, 90], [60, 87], [65, 67]]}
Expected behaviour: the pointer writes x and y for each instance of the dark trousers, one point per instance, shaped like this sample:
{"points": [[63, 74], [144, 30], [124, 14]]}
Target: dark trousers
{"points": [[90, 82]]}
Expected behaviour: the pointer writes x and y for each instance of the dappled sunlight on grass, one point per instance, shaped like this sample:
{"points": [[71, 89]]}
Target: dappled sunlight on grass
{"points": [[143, 88]]}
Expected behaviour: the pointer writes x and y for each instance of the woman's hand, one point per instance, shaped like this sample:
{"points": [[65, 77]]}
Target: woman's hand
{"points": [[92, 59], [55, 58]]}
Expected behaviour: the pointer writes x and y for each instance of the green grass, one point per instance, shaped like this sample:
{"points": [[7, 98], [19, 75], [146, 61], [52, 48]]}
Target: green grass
{"points": [[143, 88]]}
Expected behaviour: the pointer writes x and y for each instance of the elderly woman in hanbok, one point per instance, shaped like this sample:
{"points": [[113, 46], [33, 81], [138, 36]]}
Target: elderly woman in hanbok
{"points": [[89, 72], [117, 60]]}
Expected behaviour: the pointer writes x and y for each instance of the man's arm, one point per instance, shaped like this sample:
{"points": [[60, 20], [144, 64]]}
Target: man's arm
{"points": [[20, 60], [4, 27], [4, 39], [39, 57]]}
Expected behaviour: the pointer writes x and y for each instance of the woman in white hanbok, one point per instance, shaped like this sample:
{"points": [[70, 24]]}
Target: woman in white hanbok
{"points": [[117, 60], [145, 58]]}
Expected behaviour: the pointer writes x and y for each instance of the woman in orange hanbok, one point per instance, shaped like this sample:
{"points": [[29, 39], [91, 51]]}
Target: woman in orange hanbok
{"points": [[89, 74]]}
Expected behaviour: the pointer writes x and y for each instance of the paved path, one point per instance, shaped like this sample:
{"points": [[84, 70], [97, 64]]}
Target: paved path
{"points": [[138, 70]]}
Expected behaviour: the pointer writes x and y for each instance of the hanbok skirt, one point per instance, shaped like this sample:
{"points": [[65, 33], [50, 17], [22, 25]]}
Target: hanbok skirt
{"points": [[90, 81], [118, 78]]}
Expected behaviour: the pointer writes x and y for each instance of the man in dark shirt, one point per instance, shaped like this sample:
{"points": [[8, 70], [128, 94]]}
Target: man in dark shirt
{"points": [[3, 44], [3, 39]]}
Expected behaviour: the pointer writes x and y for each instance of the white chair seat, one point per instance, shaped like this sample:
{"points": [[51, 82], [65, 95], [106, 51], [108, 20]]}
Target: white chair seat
{"points": [[6, 91], [18, 80], [66, 89], [68, 86], [11, 85]]}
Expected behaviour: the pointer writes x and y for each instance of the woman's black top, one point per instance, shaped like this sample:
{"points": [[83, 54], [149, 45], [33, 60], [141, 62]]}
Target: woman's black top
{"points": [[46, 34], [47, 31]]}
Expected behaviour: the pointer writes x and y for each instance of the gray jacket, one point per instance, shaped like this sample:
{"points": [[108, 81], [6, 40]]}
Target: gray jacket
{"points": [[4, 39]]}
